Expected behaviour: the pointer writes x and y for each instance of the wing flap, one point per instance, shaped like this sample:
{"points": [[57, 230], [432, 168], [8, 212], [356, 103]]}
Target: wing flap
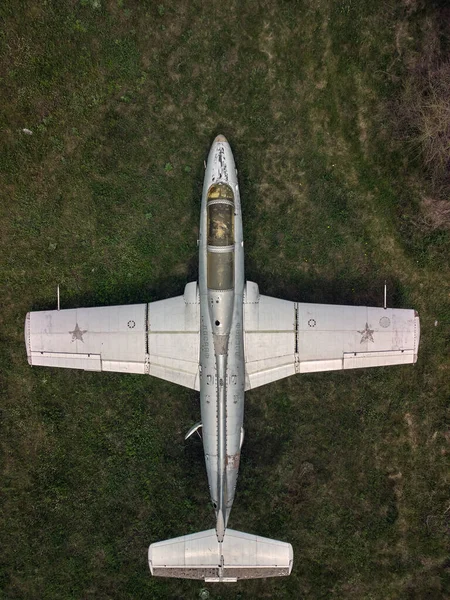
{"points": [[260, 372], [315, 366], [123, 366], [267, 345], [174, 338]]}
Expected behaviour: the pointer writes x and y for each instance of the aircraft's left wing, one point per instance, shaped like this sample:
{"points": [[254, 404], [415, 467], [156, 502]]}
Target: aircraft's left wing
{"points": [[282, 338], [160, 338]]}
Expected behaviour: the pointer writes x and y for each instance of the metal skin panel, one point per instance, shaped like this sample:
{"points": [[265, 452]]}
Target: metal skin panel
{"points": [[283, 338], [173, 338], [65, 337], [160, 338], [327, 331], [221, 337]]}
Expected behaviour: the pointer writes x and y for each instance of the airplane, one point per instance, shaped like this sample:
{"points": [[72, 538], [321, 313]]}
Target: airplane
{"points": [[221, 338]]}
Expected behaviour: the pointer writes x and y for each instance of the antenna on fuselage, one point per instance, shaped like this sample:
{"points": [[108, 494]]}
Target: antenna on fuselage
{"points": [[385, 294], [57, 296]]}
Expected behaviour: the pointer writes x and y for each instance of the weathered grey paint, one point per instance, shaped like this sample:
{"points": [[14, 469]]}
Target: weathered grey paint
{"points": [[222, 368]]}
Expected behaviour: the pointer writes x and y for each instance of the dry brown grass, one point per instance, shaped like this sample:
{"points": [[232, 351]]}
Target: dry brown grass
{"points": [[430, 113], [435, 214], [422, 114]]}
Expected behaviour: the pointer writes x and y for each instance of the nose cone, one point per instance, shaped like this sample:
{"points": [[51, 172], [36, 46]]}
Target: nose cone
{"points": [[220, 166], [221, 138]]}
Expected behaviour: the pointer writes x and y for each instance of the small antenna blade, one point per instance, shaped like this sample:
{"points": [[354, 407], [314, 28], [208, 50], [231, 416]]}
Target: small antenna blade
{"points": [[385, 293], [57, 295]]}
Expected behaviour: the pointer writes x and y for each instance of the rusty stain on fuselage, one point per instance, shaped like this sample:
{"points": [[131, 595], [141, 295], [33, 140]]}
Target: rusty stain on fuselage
{"points": [[232, 460]]}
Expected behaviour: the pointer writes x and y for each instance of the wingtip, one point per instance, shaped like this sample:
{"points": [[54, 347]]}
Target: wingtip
{"points": [[416, 335], [27, 337], [150, 558]]}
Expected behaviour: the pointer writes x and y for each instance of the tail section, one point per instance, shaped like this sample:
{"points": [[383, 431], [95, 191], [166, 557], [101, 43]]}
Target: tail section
{"points": [[202, 556]]}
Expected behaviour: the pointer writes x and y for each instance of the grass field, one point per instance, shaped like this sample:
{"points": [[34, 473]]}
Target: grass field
{"points": [[123, 99]]}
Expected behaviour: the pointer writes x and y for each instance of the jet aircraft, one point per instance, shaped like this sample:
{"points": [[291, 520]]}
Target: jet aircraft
{"points": [[222, 338]]}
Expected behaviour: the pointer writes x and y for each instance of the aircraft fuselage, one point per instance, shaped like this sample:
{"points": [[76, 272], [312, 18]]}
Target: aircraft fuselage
{"points": [[221, 288]]}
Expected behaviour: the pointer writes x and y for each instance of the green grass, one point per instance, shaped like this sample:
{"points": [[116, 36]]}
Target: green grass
{"points": [[124, 99]]}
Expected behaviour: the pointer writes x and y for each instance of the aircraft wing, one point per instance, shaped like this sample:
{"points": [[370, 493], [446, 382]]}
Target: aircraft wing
{"points": [[160, 338], [283, 338]]}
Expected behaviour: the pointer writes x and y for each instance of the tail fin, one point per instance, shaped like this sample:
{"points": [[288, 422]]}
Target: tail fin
{"points": [[239, 556]]}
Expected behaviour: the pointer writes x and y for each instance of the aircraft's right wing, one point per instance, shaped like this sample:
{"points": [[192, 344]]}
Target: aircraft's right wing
{"points": [[282, 338]]}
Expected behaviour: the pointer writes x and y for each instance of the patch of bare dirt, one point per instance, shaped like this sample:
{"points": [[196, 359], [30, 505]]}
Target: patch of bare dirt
{"points": [[412, 430], [230, 58], [266, 38]]}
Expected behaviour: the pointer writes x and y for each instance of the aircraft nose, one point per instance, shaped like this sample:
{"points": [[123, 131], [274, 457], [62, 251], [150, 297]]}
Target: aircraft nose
{"points": [[220, 138]]}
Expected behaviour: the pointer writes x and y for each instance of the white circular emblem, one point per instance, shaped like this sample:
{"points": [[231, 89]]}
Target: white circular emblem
{"points": [[385, 321]]}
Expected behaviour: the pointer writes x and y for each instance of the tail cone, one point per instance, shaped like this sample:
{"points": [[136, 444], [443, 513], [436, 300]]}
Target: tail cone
{"points": [[220, 526]]}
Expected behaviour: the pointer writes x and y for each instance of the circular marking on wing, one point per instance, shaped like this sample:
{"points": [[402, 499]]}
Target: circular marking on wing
{"points": [[131, 324], [312, 322], [385, 321]]}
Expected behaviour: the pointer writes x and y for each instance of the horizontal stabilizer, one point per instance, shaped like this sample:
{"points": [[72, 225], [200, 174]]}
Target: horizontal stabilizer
{"points": [[239, 556]]}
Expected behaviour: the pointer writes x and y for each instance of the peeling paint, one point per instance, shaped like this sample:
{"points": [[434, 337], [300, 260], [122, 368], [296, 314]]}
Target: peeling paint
{"points": [[232, 461]]}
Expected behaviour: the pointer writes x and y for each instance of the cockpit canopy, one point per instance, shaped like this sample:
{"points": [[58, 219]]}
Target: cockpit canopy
{"points": [[220, 191], [220, 206]]}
